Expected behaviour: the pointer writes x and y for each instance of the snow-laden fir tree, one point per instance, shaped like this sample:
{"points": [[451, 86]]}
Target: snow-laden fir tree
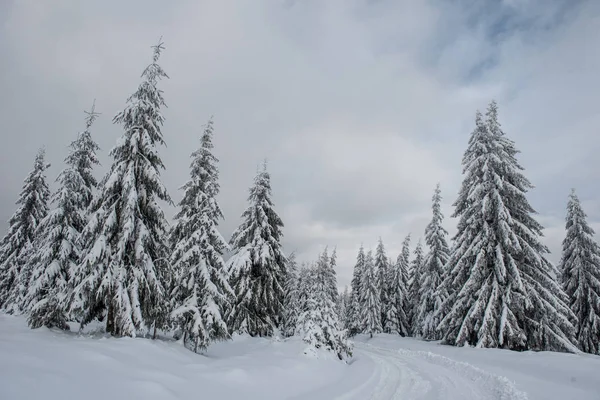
{"points": [[318, 322], [355, 323], [370, 298], [332, 277], [327, 268], [580, 269], [343, 306], [291, 299], [201, 289], [415, 274], [17, 244], [507, 295], [394, 306], [381, 268], [257, 268], [404, 301], [56, 249], [125, 270], [429, 298], [398, 318]]}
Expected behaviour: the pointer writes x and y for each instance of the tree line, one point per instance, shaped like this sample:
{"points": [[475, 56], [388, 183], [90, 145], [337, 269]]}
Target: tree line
{"points": [[104, 251]]}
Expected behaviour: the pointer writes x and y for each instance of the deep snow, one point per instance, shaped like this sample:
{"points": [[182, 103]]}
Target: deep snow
{"points": [[45, 364]]}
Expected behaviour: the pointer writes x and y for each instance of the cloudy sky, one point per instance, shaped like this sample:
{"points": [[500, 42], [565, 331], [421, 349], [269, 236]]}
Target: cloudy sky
{"points": [[361, 106]]}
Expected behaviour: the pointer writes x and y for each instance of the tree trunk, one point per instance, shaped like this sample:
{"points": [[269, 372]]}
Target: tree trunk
{"points": [[154, 334], [110, 319]]}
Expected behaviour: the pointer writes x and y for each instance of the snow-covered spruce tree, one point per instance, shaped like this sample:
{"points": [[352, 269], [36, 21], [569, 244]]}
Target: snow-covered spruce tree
{"points": [[415, 274], [125, 269], [257, 268], [291, 298], [201, 290], [17, 244], [507, 293], [326, 271], [580, 269], [332, 280], [429, 298], [342, 307], [392, 314], [370, 301], [403, 286], [56, 249], [355, 323], [381, 268], [318, 323], [398, 297]]}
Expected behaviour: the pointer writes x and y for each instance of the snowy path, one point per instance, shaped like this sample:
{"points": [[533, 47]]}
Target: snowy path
{"points": [[409, 374]]}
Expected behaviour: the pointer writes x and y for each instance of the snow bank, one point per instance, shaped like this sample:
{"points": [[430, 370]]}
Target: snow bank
{"points": [[46, 364]]}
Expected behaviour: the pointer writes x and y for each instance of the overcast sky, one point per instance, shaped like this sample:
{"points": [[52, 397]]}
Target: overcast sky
{"points": [[361, 106]]}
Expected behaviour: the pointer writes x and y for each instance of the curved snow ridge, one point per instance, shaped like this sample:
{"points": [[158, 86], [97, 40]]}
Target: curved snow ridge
{"points": [[502, 387]]}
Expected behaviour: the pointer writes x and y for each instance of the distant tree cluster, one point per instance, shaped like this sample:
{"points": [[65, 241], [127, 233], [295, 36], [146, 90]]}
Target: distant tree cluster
{"points": [[104, 251]]}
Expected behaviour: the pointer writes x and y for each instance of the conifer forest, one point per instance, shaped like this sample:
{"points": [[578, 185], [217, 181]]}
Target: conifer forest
{"points": [[93, 259]]}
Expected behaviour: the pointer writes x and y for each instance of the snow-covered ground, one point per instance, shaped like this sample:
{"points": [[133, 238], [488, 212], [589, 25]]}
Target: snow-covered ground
{"points": [[43, 364]]}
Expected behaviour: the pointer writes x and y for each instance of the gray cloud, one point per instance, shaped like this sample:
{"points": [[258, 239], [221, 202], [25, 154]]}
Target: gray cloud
{"points": [[360, 106]]}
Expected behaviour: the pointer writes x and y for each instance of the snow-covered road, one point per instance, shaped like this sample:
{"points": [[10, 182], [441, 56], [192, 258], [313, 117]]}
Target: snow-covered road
{"points": [[408, 374]]}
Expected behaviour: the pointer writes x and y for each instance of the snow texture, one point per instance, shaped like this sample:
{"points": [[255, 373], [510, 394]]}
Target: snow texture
{"points": [[56, 365]]}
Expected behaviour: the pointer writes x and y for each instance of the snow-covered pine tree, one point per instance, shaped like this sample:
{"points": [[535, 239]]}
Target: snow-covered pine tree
{"points": [[291, 299], [397, 318], [318, 323], [394, 307], [125, 268], [332, 277], [401, 291], [342, 307], [355, 323], [201, 290], [429, 298], [580, 269], [370, 301], [17, 244], [507, 293], [56, 249], [415, 273], [381, 268], [257, 268]]}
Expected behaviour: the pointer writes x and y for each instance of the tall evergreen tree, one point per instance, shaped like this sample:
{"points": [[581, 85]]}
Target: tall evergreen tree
{"points": [[16, 245], [507, 292], [332, 281], [580, 268], [201, 290], [415, 273], [370, 300], [291, 298], [342, 307], [399, 296], [355, 323], [429, 299], [125, 269], [381, 268], [257, 269], [56, 249]]}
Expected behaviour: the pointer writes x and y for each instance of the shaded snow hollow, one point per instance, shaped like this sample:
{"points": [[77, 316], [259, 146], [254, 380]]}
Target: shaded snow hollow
{"points": [[46, 364]]}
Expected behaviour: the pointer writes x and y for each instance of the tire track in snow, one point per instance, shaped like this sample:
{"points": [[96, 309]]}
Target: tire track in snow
{"points": [[407, 374]]}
